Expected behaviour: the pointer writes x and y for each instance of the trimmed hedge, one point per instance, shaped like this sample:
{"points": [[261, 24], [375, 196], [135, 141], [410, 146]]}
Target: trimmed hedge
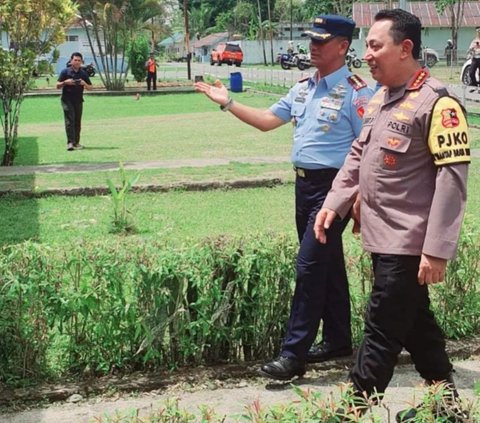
{"points": [[94, 308]]}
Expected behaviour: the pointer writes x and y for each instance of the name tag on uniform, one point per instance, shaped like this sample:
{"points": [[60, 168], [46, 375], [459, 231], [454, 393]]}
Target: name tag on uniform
{"points": [[299, 100], [331, 103]]}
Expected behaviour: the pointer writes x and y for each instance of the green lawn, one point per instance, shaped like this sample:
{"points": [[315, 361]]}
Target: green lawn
{"points": [[162, 127]]}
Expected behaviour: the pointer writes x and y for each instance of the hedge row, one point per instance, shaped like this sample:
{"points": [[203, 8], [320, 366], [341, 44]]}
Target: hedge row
{"points": [[97, 307]]}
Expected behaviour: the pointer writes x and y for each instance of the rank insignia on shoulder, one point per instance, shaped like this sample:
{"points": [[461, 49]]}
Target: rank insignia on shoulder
{"points": [[356, 82], [304, 79], [418, 79]]}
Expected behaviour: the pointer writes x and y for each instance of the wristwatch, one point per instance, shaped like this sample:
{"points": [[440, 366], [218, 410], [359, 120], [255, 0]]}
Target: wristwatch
{"points": [[227, 105]]}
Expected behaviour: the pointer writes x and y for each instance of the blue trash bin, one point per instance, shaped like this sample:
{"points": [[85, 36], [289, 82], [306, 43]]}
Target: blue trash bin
{"points": [[236, 82]]}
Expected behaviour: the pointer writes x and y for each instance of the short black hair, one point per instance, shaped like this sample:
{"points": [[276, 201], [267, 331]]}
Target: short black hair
{"points": [[405, 26], [76, 54]]}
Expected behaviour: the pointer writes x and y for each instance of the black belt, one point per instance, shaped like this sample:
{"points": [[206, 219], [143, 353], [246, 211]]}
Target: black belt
{"points": [[314, 173]]}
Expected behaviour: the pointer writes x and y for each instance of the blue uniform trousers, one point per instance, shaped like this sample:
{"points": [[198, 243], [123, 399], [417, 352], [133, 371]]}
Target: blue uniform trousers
{"points": [[398, 316], [321, 291]]}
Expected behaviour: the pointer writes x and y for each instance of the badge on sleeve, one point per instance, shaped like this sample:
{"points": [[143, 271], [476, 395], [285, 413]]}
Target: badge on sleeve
{"points": [[448, 138]]}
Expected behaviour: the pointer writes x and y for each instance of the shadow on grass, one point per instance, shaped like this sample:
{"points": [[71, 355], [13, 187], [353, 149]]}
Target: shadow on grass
{"points": [[19, 216]]}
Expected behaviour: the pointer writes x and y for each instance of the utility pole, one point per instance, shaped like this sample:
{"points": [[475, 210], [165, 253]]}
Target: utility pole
{"points": [[187, 40], [291, 21]]}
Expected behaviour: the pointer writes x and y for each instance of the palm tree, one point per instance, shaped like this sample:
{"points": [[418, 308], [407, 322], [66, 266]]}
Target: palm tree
{"points": [[110, 26]]}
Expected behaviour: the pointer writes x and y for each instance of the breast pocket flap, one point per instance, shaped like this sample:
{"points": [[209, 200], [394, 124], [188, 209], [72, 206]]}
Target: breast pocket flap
{"points": [[298, 109], [395, 142]]}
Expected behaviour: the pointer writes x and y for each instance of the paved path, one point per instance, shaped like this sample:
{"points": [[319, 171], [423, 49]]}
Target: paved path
{"points": [[231, 399], [154, 164]]}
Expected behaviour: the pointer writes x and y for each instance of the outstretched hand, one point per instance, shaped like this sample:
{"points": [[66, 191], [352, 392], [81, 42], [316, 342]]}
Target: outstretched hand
{"points": [[216, 92]]}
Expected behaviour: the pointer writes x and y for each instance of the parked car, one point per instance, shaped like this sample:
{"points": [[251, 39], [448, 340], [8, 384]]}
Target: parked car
{"points": [[229, 53]]}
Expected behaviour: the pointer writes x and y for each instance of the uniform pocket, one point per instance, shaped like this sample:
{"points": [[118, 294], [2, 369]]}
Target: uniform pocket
{"points": [[364, 136], [393, 147], [298, 110]]}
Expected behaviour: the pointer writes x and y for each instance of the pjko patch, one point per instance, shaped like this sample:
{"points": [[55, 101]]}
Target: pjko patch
{"points": [[450, 118], [448, 139]]}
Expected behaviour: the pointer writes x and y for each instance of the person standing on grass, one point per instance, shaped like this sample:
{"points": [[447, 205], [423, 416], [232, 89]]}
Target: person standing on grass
{"points": [[407, 173], [151, 68], [326, 111], [73, 80]]}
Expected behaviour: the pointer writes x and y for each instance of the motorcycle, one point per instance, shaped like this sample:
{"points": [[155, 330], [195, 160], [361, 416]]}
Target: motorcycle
{"points": [[287, 60], [352, 59], [429, 57], [303, 61]]}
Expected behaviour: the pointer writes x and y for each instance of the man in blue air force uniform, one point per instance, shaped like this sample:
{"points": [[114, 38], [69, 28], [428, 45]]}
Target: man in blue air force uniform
{"points": [[326, 110]]}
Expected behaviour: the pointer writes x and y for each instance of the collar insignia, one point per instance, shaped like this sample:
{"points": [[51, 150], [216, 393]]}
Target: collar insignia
{"points": [[418, 79]]}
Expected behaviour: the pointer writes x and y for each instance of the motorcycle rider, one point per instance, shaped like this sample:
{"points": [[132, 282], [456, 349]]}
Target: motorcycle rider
{"points": [[290, 48], [302, 49]]}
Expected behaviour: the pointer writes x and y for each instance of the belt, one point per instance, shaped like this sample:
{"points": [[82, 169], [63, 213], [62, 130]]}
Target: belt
{"points": [[312, 173]]}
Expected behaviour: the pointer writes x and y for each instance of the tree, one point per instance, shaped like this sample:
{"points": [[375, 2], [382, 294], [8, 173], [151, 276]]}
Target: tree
{"points": [[33, 28], [110, 26], [455, 9], [138, 53]]}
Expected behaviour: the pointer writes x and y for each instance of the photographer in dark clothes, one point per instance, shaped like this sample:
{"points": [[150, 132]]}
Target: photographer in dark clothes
{"points": [[73, 79]]}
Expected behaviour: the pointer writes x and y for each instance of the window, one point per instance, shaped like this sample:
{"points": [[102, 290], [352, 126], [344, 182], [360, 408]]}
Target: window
{"points": [[71, 38]]}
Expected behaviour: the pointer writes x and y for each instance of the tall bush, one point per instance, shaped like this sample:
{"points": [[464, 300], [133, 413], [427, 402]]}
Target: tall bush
{"points": [[138, 53]]}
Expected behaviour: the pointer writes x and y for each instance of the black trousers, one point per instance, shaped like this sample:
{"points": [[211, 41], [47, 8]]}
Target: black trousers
{"points": [[151, 77], [473, 72], [72, 112], [398, 316], [321, 291]]}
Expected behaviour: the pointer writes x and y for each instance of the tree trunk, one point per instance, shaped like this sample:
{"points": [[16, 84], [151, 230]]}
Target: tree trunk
{"points": [[270, 32], [261, 33]]}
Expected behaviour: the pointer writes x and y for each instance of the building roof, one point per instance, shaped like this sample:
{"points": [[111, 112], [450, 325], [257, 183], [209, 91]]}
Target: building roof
{"points": [[210, 40], [363, 13], [173, 39]]}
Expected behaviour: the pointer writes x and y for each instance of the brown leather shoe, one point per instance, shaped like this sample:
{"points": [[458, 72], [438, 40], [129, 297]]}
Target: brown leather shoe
{"points": [[322, 352], [283, 368]]}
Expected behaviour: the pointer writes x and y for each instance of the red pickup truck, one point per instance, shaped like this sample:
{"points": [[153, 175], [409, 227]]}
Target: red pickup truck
{"points": [[229, 53]]}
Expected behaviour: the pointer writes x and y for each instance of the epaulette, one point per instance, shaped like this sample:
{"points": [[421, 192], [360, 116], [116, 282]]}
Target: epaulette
{"points": [[356, 82], [304, 79], [418, 79]]}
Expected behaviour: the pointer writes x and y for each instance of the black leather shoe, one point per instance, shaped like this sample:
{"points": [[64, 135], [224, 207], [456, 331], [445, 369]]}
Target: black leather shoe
{"points": [[322, 352], [283, 368]]}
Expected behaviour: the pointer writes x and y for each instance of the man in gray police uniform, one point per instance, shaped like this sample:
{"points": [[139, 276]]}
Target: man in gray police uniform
{"points": [[326, 110]]}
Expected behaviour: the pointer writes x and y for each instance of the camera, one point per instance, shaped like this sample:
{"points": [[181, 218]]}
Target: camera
{"points": [[77, 81]]}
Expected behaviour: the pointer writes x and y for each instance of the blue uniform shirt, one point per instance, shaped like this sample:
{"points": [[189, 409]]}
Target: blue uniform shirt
{"points": [[327, 117]]}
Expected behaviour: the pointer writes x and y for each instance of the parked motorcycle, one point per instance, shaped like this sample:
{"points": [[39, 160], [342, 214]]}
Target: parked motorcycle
{"points": [[303, 61], [352, 59], [287, 60], [429, 57]]}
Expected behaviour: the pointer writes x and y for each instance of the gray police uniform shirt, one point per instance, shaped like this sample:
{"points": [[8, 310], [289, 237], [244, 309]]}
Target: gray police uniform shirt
{"points": [[410, 165], [327, 116]]}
